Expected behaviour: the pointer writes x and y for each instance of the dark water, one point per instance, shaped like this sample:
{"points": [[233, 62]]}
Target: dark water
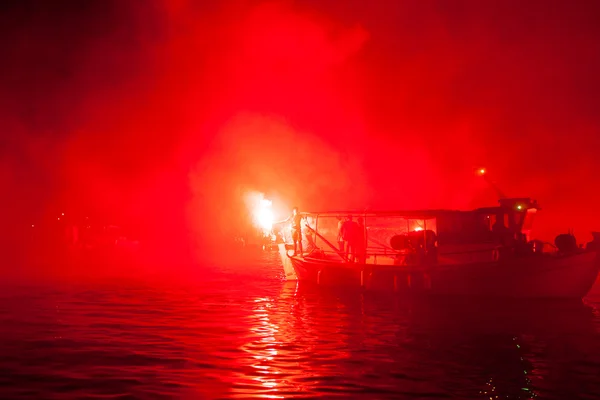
{"points": [[243, 333]]}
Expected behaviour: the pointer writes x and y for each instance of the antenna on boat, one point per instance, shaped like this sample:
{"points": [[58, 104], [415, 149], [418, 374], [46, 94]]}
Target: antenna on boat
{"points": [[483, 173]]}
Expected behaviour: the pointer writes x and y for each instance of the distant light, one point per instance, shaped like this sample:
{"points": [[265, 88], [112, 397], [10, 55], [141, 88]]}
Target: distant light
{"points": [[33, 226], [481, 171], [418, 229], [519, 207], [63, 214], [59, 218]]}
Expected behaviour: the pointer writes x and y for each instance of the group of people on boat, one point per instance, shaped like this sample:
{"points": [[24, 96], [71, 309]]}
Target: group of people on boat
{"points": [[351, 237]]}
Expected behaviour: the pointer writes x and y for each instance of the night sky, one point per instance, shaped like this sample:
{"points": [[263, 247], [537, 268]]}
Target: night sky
{"points": [[163, 114]]}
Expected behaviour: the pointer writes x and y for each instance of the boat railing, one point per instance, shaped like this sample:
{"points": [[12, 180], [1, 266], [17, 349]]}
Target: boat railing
{"points": [[368, 255], [413, 256]]}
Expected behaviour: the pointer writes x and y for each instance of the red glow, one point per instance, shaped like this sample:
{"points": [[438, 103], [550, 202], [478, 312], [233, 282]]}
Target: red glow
{"points": [[313, 104]]}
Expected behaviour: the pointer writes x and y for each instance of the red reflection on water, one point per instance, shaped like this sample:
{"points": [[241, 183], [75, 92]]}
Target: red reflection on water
{"points": [[266, 352], [285, 346], [204, 343]]}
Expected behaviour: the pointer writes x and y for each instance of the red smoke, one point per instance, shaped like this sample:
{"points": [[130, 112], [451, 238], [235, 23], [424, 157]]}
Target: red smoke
{"points": [[182, 107]]}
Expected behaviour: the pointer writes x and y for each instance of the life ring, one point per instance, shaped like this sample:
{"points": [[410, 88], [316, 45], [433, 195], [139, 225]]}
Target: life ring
{"points": [[495, 255]]}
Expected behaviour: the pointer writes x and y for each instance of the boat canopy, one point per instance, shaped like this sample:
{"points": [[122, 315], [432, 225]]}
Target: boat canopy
{"points": [[512, 204], [411, 214]]}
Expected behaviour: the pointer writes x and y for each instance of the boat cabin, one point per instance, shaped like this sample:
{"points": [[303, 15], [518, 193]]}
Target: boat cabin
{"points": [[512, 218], [421, 237]]}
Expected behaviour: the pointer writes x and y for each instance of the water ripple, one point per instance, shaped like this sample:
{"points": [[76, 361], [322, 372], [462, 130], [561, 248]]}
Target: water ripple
{"points": [[243, 333]]}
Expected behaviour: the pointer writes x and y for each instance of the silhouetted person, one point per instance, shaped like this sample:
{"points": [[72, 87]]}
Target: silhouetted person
{"points": [[349, 234], [502, 232], [499, 226], [296, 220], [361, 244]]}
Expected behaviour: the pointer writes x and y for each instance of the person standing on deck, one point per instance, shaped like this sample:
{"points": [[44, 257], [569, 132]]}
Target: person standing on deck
{"points": [[349, 234], [296, 220], [361, 242]]}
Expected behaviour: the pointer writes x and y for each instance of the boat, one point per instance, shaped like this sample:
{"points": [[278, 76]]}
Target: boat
{"points": [[485, 252]]}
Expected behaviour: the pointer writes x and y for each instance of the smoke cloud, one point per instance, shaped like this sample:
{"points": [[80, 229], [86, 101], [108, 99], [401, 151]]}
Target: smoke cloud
{"points": [[161, 116]]}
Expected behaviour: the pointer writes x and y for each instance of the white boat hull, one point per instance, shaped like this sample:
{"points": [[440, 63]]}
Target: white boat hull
{"points": [[547, 277], [540, 276]]}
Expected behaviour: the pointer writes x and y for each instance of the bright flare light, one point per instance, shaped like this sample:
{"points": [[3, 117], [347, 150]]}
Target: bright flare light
{"points": [[260, 211], [263, 215], [481, 171]]}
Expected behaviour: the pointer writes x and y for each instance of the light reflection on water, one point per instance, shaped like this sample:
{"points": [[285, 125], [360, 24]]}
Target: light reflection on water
{"points": [[244, 333]]}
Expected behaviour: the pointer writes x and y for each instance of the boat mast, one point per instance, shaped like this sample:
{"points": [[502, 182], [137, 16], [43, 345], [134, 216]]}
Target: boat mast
{"points": [[483, 173]]}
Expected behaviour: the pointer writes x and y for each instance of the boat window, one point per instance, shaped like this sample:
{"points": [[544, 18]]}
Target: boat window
{"points": [[390, 235], [492, 218], [518, 218], [465, 228], [528, 218], [491, 221], [327, 227]]}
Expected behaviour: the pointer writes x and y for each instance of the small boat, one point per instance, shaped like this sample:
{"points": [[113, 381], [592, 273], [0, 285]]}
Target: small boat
{"points": [[481, 252]]}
